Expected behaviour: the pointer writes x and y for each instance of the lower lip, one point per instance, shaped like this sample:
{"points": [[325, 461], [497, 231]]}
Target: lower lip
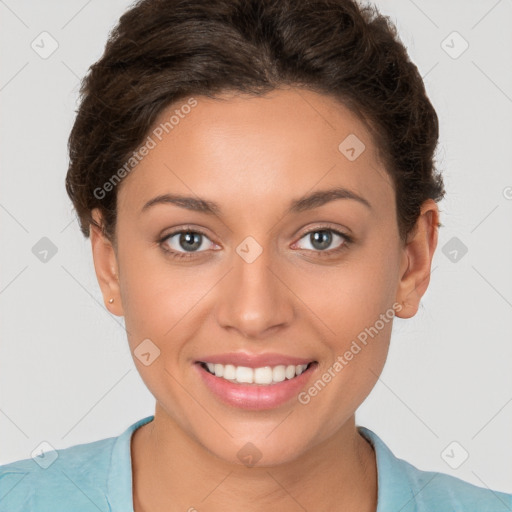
{"points": [[255, 396]]}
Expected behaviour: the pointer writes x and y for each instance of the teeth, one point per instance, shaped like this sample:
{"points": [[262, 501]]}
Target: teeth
{"points": [[229, 372], [290, 372], [263, 375], [278, 373], [244, 374]]}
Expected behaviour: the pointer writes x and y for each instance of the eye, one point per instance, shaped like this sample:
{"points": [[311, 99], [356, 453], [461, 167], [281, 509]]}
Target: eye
{"points": [[321, 239], [185, 242]]}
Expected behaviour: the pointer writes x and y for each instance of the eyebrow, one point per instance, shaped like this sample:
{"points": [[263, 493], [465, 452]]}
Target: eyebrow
{"points": [[307, 202]]}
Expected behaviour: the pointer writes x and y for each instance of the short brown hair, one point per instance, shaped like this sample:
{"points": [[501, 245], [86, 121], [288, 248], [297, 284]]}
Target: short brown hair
{"points": [[165, 50]]}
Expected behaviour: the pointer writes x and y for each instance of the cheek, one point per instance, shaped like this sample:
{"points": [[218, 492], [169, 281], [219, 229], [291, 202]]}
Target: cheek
{"points": [[159, 300], [353, 307], [358, 311], [352, 295]]}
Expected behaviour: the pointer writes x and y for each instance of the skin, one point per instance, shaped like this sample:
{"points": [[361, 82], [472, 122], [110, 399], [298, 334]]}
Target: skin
{"points": [[253, 156]]}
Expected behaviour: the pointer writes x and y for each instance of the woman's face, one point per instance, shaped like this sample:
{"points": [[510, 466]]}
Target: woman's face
{"points": [[265, 275]]}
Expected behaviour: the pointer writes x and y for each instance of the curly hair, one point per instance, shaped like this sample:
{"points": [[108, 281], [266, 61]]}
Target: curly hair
{"points": [[162, 51]]}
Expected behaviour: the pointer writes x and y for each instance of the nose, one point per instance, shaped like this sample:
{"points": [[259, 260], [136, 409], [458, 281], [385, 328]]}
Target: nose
{"points": [[254, 299]]}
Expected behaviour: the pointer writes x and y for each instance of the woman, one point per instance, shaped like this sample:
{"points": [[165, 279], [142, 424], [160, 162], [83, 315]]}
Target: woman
{"points": [[258, 184]]}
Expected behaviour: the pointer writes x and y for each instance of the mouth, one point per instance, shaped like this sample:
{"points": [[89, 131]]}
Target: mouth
{"points": [[261, 376], [255, 388]]}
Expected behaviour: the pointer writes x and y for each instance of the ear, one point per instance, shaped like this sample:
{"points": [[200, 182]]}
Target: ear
{"points": [[106, 266], [417, 260]]}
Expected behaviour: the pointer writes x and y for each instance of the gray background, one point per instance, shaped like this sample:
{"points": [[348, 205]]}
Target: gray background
{"points": [[66, 374]]}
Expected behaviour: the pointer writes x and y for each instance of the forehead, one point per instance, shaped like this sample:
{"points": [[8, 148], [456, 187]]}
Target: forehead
{"points": [[249, 150]]}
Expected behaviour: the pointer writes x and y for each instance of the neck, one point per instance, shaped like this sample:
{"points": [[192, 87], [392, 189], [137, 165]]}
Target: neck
{"points": [[171, 471]]}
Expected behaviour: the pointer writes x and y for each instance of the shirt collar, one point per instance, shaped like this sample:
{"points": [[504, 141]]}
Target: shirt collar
{"points": [[394, 489], [119, 483]]}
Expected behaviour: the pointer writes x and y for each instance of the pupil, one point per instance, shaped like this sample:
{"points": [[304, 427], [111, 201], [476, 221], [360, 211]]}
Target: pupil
{"points": [[323, 238], [190, 238]]}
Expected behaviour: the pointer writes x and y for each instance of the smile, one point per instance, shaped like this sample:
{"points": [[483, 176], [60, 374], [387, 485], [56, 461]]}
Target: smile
{"points": [[264, 375], [258, 388]]}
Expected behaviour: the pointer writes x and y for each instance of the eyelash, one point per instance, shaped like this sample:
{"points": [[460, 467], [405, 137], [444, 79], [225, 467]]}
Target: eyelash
{"points": [[347, 241]]}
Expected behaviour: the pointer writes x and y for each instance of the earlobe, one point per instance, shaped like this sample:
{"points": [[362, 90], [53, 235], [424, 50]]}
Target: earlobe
{"points": [[106, 267], [416, 262]]}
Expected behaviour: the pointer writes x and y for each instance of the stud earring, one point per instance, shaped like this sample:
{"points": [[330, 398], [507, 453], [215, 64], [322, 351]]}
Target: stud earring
{"points": [[111, 300]]}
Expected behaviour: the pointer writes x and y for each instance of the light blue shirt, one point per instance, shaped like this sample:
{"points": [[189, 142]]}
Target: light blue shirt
{"points": [[97, 476]]}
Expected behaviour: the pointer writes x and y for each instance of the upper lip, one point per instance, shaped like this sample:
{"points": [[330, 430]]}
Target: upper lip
{"points": [[254, 360]]}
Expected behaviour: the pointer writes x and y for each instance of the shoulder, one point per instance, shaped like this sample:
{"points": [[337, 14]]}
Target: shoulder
{"points": [[72, 478], [403, 485], [439, 491]]}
